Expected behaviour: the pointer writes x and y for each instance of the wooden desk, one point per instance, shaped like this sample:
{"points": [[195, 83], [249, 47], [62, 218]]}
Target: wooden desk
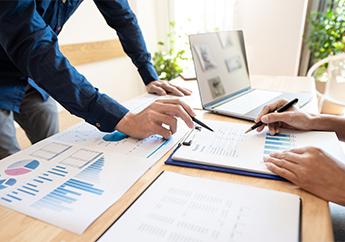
{"points": [[316, 223]]}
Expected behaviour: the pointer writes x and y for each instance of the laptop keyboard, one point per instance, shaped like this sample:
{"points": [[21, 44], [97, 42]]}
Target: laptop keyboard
{"points": [[247, 102]]}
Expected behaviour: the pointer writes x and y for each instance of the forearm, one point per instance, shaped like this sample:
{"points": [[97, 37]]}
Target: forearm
{"points": [[329, 123], [33, 48]]}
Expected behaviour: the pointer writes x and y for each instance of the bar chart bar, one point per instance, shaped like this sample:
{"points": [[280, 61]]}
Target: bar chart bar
{"points": [[277, 143]]}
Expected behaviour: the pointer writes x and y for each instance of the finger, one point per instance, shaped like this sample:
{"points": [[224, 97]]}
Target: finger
{"points": [[281, 172], [179, 111], [157, 90], [285, 117], [185, 91], [287, 155], [173, 110], [272, 129], [260, 128], [179, 102], [282, 163], [300, 151], [171, 89], [270, 108], [168, 120], [158, 129]]}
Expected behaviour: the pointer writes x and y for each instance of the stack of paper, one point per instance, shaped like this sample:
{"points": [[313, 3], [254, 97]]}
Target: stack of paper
{"points": [[182, 208], [71, 178]]}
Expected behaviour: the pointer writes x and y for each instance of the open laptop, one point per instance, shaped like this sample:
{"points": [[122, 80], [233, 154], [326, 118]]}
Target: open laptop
{"points": [[223, 77]]}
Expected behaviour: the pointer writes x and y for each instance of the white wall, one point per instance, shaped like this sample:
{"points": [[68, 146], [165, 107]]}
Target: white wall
{"points": [[273, 32], [117, 77]]}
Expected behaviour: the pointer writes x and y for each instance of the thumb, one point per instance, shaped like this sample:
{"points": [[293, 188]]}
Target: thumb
{"points": [[276, 117]]}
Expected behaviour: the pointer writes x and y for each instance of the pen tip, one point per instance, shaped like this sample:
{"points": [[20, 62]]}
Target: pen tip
{"points": [[250, 129]]}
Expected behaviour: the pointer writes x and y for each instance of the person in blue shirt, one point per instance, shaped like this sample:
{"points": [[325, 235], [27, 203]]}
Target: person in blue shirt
{"points": [[32, 67]]}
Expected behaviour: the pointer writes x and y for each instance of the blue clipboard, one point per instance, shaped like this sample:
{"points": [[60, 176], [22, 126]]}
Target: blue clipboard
{"points": [[171, 161]]}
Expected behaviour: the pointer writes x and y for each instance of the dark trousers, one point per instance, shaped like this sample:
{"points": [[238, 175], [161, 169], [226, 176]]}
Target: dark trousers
{"points": [[38, 119]]}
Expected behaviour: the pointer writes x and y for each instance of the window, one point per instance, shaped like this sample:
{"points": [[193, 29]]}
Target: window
{"points": [[195, 16]]}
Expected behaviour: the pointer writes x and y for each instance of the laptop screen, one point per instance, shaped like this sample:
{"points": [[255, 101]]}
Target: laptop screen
{"points": [[220, 64]]}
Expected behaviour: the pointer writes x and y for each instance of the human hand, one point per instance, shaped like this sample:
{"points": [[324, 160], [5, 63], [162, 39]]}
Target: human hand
{"points": [[311, 169], [163, 88], [291, 119], [149, 121]]}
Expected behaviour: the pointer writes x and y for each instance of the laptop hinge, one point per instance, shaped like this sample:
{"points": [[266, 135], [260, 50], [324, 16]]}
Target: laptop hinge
{"points": [[228, 98]]}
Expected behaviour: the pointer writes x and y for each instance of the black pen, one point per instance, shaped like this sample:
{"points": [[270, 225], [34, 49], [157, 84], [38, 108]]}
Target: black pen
{"points": [[279, 110], [195, 120]]}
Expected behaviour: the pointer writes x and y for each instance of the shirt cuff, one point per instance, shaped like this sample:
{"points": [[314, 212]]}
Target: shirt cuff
{"points": [[106, 113], [148, 73]]}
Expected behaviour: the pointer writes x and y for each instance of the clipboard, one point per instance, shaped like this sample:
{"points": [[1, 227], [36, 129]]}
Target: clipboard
{"points": [[171, 161]]}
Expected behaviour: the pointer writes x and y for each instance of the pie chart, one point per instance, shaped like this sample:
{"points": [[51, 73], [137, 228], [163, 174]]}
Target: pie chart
{"points": [[4, 183], [21, 167]]}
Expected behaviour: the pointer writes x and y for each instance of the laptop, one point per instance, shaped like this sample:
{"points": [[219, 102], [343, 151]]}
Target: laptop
{"points": [[223, 77]]}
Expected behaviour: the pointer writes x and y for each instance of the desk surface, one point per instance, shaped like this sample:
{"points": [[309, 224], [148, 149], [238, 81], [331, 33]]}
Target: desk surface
{"points": [[316, 222]]}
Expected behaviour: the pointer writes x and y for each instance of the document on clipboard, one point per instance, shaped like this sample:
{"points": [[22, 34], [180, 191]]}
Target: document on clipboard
{"points": [[229, 149]]}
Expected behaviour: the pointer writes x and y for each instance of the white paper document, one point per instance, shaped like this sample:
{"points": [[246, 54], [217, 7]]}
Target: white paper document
{"points": [[229, 147], [183, 208], [71, 178], [152, 147]]}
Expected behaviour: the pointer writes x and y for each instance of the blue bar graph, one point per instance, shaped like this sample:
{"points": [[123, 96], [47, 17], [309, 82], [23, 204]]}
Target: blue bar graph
{"points": [[32, 185], [158, 148], [37, 180], [32, 188], [92, 172], [14, 197], [45, 178], [56, 173], [277, 138], [27, 192], [62, 198], [6, 199], [84, 186], [279, 135], [277, 143]]}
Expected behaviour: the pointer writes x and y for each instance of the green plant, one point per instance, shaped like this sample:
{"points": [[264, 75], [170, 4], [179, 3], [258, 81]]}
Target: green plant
{"points": [[167, 59], [327, 35]]}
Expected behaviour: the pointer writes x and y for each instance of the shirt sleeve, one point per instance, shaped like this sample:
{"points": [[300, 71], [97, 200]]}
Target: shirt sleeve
{"points": [[33, 47], [120, 17]]}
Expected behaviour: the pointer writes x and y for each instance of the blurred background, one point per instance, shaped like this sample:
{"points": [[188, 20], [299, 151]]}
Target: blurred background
{"points": [[282, 38]]}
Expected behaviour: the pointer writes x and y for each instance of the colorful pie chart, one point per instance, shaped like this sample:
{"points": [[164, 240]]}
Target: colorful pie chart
{"points": [[4, 183], [21, 167]]}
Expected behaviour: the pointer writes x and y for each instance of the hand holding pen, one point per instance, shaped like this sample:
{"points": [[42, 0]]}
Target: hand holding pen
{"points": [[272, 114]]}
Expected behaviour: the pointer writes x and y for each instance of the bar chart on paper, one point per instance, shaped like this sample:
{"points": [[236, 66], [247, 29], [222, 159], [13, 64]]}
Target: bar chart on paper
{"points": [[66, 181], [63, 197], [151, 147], [278, 142], [58, 173], [61, 184]]}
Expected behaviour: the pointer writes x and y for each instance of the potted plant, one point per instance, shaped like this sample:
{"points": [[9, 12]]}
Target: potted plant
{"points": [[327, 37], [167, 60]]}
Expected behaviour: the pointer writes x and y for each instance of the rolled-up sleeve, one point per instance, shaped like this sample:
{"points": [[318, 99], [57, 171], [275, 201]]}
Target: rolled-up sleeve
{"points": [[120, 17], [33, 47]]}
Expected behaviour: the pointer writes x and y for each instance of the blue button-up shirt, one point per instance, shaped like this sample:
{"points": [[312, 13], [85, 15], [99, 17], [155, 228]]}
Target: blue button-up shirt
{"points": [[30, 55]]}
